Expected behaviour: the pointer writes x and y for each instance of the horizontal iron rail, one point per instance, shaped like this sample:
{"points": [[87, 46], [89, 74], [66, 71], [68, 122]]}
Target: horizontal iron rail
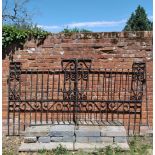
{"points": [[106, 101], [79, 111], [62, 72]]}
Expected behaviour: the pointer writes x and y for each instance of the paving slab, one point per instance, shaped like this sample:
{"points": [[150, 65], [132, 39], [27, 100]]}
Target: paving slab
{"points": [[33, 147], [120, 139], [61, 130], [56, 139], [87, 131], [94, 146], [30, 139], [113, 131], [46, 139], [37, 131]]}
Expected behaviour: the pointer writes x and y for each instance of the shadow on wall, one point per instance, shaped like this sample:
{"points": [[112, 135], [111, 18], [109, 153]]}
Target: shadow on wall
{"points": [[10, 50]]}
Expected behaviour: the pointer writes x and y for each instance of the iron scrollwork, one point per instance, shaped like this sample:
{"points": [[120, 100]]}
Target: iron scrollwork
{"points": [[138, 80], [75, 70], [14, 78]]}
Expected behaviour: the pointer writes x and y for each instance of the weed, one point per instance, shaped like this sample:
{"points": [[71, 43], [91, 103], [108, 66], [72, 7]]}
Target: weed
{"points": [[60, 150]]}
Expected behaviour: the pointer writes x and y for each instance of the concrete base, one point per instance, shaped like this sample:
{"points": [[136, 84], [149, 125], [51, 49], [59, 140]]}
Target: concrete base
{"points": [[74, 137], [34, 147]]}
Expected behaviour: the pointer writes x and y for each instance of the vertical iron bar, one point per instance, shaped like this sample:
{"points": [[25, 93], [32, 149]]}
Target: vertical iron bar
{"points": [[47, 95], [31, 96], [114, 87], [42, 93], [36, 96], [129, 89], [53, 91], [147, 118], [58, 85], [125, 89], [103, 88], [133, 91], [92, 86], [76, 90], [25, 99], [98, 83], [9, 87], [107, 105], [70, 89], [14, 89], [53, 84], [19, 102]]}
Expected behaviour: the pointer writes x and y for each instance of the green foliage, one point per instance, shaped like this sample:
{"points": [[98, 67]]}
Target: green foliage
{"points": [[139, 21], [60, 150], [137, 147], [15, 34], [42, 152], [74, 30]]}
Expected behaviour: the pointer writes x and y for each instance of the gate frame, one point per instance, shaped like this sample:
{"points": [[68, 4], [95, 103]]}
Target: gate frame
{"points": [[15, 71]]}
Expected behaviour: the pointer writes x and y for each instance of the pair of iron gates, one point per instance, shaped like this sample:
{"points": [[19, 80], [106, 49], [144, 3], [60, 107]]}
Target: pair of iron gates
{"points": [[75, 94]]}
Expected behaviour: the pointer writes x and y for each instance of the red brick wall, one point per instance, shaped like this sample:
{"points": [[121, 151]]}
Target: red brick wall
{"points": [[106, 49]]}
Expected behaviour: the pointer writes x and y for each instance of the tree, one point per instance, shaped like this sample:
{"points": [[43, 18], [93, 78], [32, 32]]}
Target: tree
{"points": [[15, 12], [139, 21]]}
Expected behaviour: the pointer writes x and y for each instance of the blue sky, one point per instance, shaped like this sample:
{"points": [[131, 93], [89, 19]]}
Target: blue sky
{"points": [[95, 15]]}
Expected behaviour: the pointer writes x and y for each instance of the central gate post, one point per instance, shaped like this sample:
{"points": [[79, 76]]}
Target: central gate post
{"points": [[75, 93]]}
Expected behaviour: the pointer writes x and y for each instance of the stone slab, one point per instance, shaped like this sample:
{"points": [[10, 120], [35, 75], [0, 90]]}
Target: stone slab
{"points": [[32, 147], [90, 146], [30, 139], [56, 139], [63, 139], [37, 131], [94, 139], [69, 139], [120, 139], [82, 139], [105, 139], [113, 131], [61, 130], [87, 131], [93, 146], [44, 139]]}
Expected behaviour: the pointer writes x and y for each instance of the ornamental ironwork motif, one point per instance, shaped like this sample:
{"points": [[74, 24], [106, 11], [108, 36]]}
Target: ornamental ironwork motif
{"points": [[14, 77], [138, 80], [75, 70]]}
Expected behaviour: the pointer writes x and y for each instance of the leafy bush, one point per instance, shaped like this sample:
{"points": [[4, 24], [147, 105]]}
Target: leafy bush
{"points": [[12, 34], [74, 30]]}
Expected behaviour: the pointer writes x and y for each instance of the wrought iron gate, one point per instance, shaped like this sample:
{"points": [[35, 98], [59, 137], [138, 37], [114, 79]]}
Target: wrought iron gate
{"points": [[75, 94]]}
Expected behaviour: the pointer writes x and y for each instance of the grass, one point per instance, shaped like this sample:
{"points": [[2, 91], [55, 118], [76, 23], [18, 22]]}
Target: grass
{"points": [[138, 146]]}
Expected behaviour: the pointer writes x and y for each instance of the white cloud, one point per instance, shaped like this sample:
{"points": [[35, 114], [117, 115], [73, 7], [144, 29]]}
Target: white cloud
{"points": [[49, 27], [96, 24], [84, 25], [87, 25]]}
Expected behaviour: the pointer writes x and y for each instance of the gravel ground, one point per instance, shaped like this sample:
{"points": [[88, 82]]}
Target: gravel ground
{"points": [[10, 144]]}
